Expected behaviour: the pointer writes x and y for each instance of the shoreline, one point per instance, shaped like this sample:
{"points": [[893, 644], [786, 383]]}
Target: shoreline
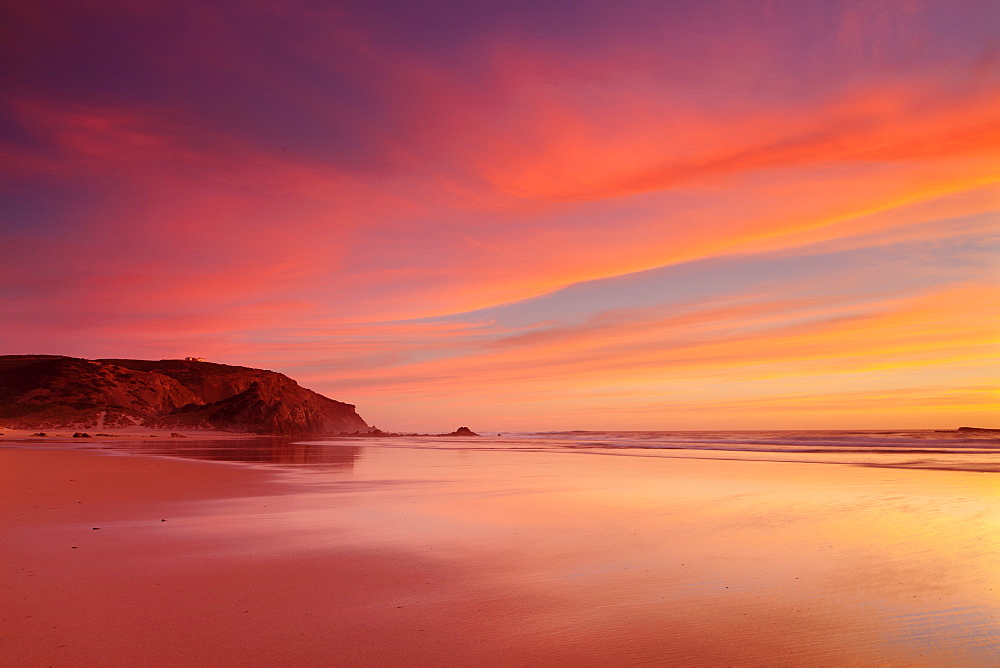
{"points": [[410, 556]]}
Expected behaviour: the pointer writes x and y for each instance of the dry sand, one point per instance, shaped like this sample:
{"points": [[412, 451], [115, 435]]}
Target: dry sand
{"points": [[428, 557]]}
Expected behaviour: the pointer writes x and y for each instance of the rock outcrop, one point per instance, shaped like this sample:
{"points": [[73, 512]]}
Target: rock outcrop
{"points": [[51, 391], [462, 431]]}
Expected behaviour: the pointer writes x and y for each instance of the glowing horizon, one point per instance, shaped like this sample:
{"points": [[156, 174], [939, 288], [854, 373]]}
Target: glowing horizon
{"points": [[692, 215]]}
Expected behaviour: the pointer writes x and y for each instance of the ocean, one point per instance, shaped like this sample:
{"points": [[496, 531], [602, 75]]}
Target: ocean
{"points": [[977, 451]]}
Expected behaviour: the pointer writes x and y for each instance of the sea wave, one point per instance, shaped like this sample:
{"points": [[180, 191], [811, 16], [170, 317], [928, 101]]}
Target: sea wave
{"points": [[923, 449], [779, 440], [951, 450]]}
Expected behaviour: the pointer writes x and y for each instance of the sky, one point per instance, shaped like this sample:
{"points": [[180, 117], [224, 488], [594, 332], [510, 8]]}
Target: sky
{"points": [[712, 214]]}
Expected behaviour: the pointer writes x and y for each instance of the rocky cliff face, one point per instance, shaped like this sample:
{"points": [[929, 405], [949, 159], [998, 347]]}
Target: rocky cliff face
{"points": [[50, 391]]}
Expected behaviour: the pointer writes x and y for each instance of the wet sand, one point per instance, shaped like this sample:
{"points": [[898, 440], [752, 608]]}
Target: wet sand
{"points": [[104, 434], [398, 556]]}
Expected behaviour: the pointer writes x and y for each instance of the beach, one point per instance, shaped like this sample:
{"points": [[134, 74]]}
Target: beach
{"points": [[499, 552]]}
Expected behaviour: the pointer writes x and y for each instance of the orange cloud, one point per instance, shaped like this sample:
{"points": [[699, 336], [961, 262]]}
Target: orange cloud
{"points": [[716, 350], [343, 199]]}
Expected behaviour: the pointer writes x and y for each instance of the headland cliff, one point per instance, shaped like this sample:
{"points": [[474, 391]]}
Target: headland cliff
{"points": [[54, 391]]}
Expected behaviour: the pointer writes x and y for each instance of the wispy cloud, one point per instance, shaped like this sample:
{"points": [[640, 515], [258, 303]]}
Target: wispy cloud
{"points": [[489, 205]]}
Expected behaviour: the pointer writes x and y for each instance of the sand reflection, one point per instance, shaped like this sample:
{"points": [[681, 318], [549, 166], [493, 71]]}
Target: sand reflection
{"points": [[595, 560], [438, 556], [278, 450]]}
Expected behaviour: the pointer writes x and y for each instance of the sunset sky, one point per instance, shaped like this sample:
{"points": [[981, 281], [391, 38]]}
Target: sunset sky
{"points": [[519, 215]]}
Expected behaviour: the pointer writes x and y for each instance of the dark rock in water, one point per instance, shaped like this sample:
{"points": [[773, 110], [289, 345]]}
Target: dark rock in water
{"points": [[978, 429], [174, 434], [375, 432], [39, 433], [52, 391], [82, 434]]}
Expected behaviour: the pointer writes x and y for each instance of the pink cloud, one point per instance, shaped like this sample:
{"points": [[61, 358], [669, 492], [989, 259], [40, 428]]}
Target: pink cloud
{"points": [[324, 189]]}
